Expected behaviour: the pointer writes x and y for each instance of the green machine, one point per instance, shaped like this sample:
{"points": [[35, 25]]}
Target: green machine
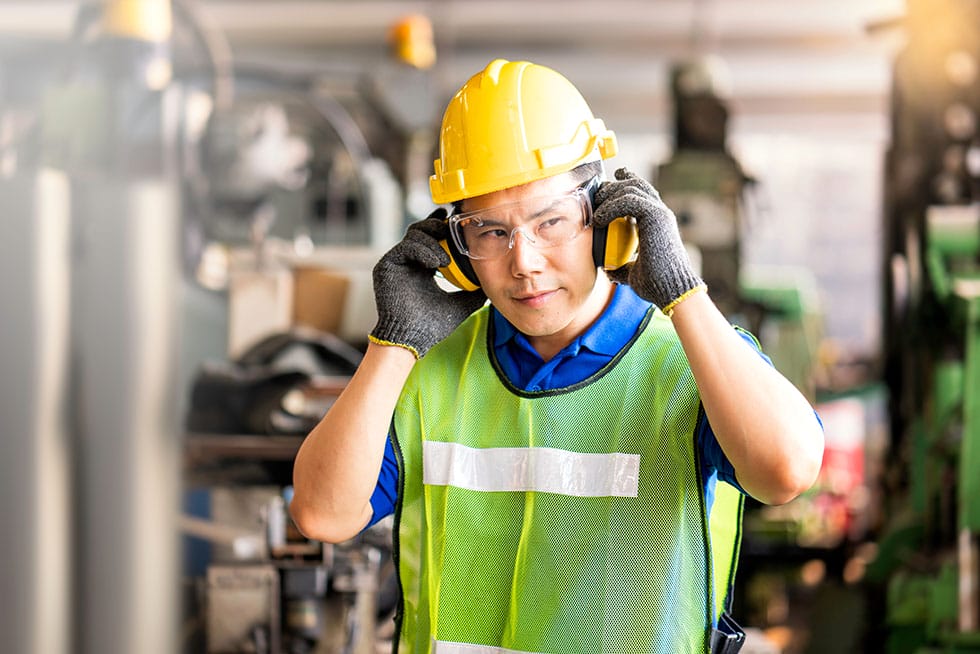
{"points": [[927, 561], [929, 554], [702, 181], [706, 186]]}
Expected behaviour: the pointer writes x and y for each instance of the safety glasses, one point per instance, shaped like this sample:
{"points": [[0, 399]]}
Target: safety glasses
{"points": [[544, 222]]}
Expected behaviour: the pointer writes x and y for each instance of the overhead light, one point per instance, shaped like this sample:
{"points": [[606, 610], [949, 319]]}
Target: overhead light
{"points": [[960, 121], [961, 68], [972, 160]]}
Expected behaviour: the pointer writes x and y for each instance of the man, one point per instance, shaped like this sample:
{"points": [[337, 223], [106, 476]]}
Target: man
{"points": [[552, 458]]}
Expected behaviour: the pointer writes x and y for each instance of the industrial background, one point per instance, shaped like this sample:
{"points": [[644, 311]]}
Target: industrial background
{"points": [[192, 196]]}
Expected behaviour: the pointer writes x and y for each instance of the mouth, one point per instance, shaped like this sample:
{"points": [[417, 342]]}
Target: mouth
{"points": [[534, 299]]}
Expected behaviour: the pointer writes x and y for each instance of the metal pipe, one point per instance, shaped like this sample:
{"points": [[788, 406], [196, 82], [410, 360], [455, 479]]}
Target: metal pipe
{"points": [[34, 482], [124, 330]]}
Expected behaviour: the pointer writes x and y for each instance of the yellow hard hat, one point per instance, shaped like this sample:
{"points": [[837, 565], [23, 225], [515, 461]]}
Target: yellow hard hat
{"points": [[514, 123]]}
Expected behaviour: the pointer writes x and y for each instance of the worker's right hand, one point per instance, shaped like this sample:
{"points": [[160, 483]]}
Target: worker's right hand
{"points": [[413, 311]]}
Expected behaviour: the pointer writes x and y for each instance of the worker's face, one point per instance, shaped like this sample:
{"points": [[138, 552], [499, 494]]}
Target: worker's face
{"points": [[550, 294]]}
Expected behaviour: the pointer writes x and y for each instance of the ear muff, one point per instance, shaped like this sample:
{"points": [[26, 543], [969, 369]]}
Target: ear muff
{"points": [[615, 245], [459, 272]]}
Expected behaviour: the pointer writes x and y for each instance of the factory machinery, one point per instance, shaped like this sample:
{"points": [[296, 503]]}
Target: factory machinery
{"points": [[102, 160], [162, 205], [927, 561]]}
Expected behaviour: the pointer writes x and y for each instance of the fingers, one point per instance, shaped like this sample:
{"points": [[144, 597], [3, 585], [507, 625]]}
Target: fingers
{"points": [[417, 251], [422, 249], [626, 180], [621, 275], [626, 203], [625, 175], [435, 225]]}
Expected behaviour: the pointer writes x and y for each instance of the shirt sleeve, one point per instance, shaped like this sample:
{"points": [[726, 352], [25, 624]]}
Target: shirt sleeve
{"points": [[386, 490]]}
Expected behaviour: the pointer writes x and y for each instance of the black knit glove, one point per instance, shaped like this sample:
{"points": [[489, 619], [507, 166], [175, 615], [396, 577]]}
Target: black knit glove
{"points": [[662, 272], [413, 312]]}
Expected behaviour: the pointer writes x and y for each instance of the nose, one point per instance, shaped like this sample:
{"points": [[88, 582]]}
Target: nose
{"points": [[513, 237], [525, 258]]}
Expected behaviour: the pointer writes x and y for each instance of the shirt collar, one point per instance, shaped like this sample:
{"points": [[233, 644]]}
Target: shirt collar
{"points": [[607, 335]]}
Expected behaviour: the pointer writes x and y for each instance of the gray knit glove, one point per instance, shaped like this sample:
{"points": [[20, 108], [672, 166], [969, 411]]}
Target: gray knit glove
{"points": [[662, 272], [413, 312]]}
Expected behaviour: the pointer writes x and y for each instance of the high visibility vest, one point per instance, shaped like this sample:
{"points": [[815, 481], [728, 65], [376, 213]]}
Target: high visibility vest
{"points": [[562, 521]]}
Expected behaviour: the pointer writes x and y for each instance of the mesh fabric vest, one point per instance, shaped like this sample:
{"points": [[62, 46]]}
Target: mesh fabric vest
{"points": [[490, 562]]}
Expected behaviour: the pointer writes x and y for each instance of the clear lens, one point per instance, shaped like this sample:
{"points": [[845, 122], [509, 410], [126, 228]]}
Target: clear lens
{"points": [[544, 222]]}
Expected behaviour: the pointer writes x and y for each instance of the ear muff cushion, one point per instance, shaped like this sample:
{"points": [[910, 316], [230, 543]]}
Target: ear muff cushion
{"points": [[599, 235], [459, 266]]}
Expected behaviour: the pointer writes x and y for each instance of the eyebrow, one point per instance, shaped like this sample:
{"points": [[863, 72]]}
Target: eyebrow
{"points": [[545, 209], [534, 215]]}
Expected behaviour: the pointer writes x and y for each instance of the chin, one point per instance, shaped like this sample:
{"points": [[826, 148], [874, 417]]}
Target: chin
{"points": [[538, 328]]}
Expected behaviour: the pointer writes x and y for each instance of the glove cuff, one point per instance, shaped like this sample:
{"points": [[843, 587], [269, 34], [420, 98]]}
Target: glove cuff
{"points": [[668, 309], [378, 341], [673, 284], [391, 332]]}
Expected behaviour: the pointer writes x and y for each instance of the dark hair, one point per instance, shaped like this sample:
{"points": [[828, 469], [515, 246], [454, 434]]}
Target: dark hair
{"points": [[581, 173], [585, 172]]}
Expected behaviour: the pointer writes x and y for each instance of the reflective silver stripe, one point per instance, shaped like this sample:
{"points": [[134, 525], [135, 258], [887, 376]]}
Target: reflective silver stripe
{"points": [[543, 469], [446, 647]]}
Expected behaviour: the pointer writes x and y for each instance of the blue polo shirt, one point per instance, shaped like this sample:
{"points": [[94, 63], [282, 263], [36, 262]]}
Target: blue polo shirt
{"points": [[580, 359]]}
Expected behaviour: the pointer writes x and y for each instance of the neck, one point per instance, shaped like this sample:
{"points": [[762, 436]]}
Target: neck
{"points": [[551, 344]]}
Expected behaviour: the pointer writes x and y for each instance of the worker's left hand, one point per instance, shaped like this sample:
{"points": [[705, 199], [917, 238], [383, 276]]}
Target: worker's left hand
{"points": [[662, 271]]}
